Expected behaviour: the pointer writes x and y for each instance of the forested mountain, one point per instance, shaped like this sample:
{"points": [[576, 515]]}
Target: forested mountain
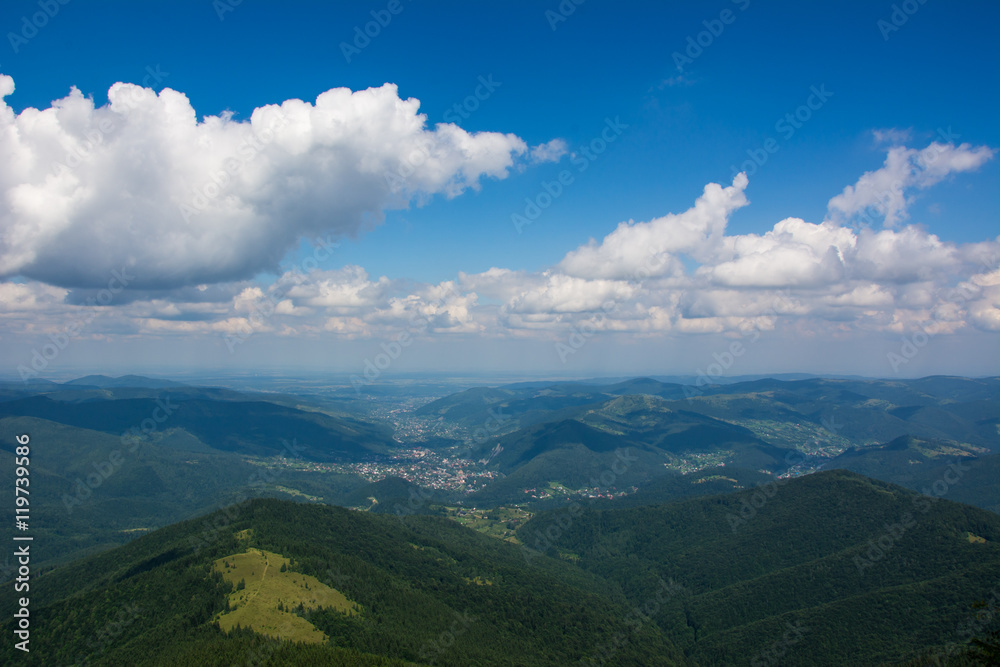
{"points": [[105, 381], [831, 568], [90, 490], [638, 438], [833, 410], [863, 572], [187, 450], [567, 429], [118, 457], [470, 407], [247, 427], [605, 497], [919, 464], [420, 591]]}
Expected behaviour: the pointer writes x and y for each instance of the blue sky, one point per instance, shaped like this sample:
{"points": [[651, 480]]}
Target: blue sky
{"points": [[891, 84]]}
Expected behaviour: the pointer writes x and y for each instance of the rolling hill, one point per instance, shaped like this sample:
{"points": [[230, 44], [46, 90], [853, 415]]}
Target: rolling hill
{"points": [[90, 491], [921, 464], [830, 568], [861, 571], [420, 591], [835, 412], [632, 439], [243, 426], [753, 425]]}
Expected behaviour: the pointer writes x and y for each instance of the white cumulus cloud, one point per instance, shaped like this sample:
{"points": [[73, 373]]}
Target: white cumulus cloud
{"points": [[883, 191], [142, 183]]}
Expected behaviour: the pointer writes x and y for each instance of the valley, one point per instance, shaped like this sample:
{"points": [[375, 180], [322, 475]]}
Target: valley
{"points": [[758, 518]]}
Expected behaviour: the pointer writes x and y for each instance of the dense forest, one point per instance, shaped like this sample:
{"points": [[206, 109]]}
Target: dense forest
{"points": [[625, 523], [701, 581]]}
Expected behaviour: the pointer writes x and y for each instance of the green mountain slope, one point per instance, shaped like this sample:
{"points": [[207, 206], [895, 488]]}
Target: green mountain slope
{"points": [[831, 568], [124, 381], [427, 591], [90, 490], [923, 465], [632, 439], [248, 427], [518, 407], [836, 413]]}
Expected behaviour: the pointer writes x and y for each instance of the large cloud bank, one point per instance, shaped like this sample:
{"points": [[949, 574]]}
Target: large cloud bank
{"points": [[141, 183], [144, 195]]}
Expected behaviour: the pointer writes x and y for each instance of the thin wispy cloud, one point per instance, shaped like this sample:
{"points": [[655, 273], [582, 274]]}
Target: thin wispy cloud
{"points": [[892, 136]]}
